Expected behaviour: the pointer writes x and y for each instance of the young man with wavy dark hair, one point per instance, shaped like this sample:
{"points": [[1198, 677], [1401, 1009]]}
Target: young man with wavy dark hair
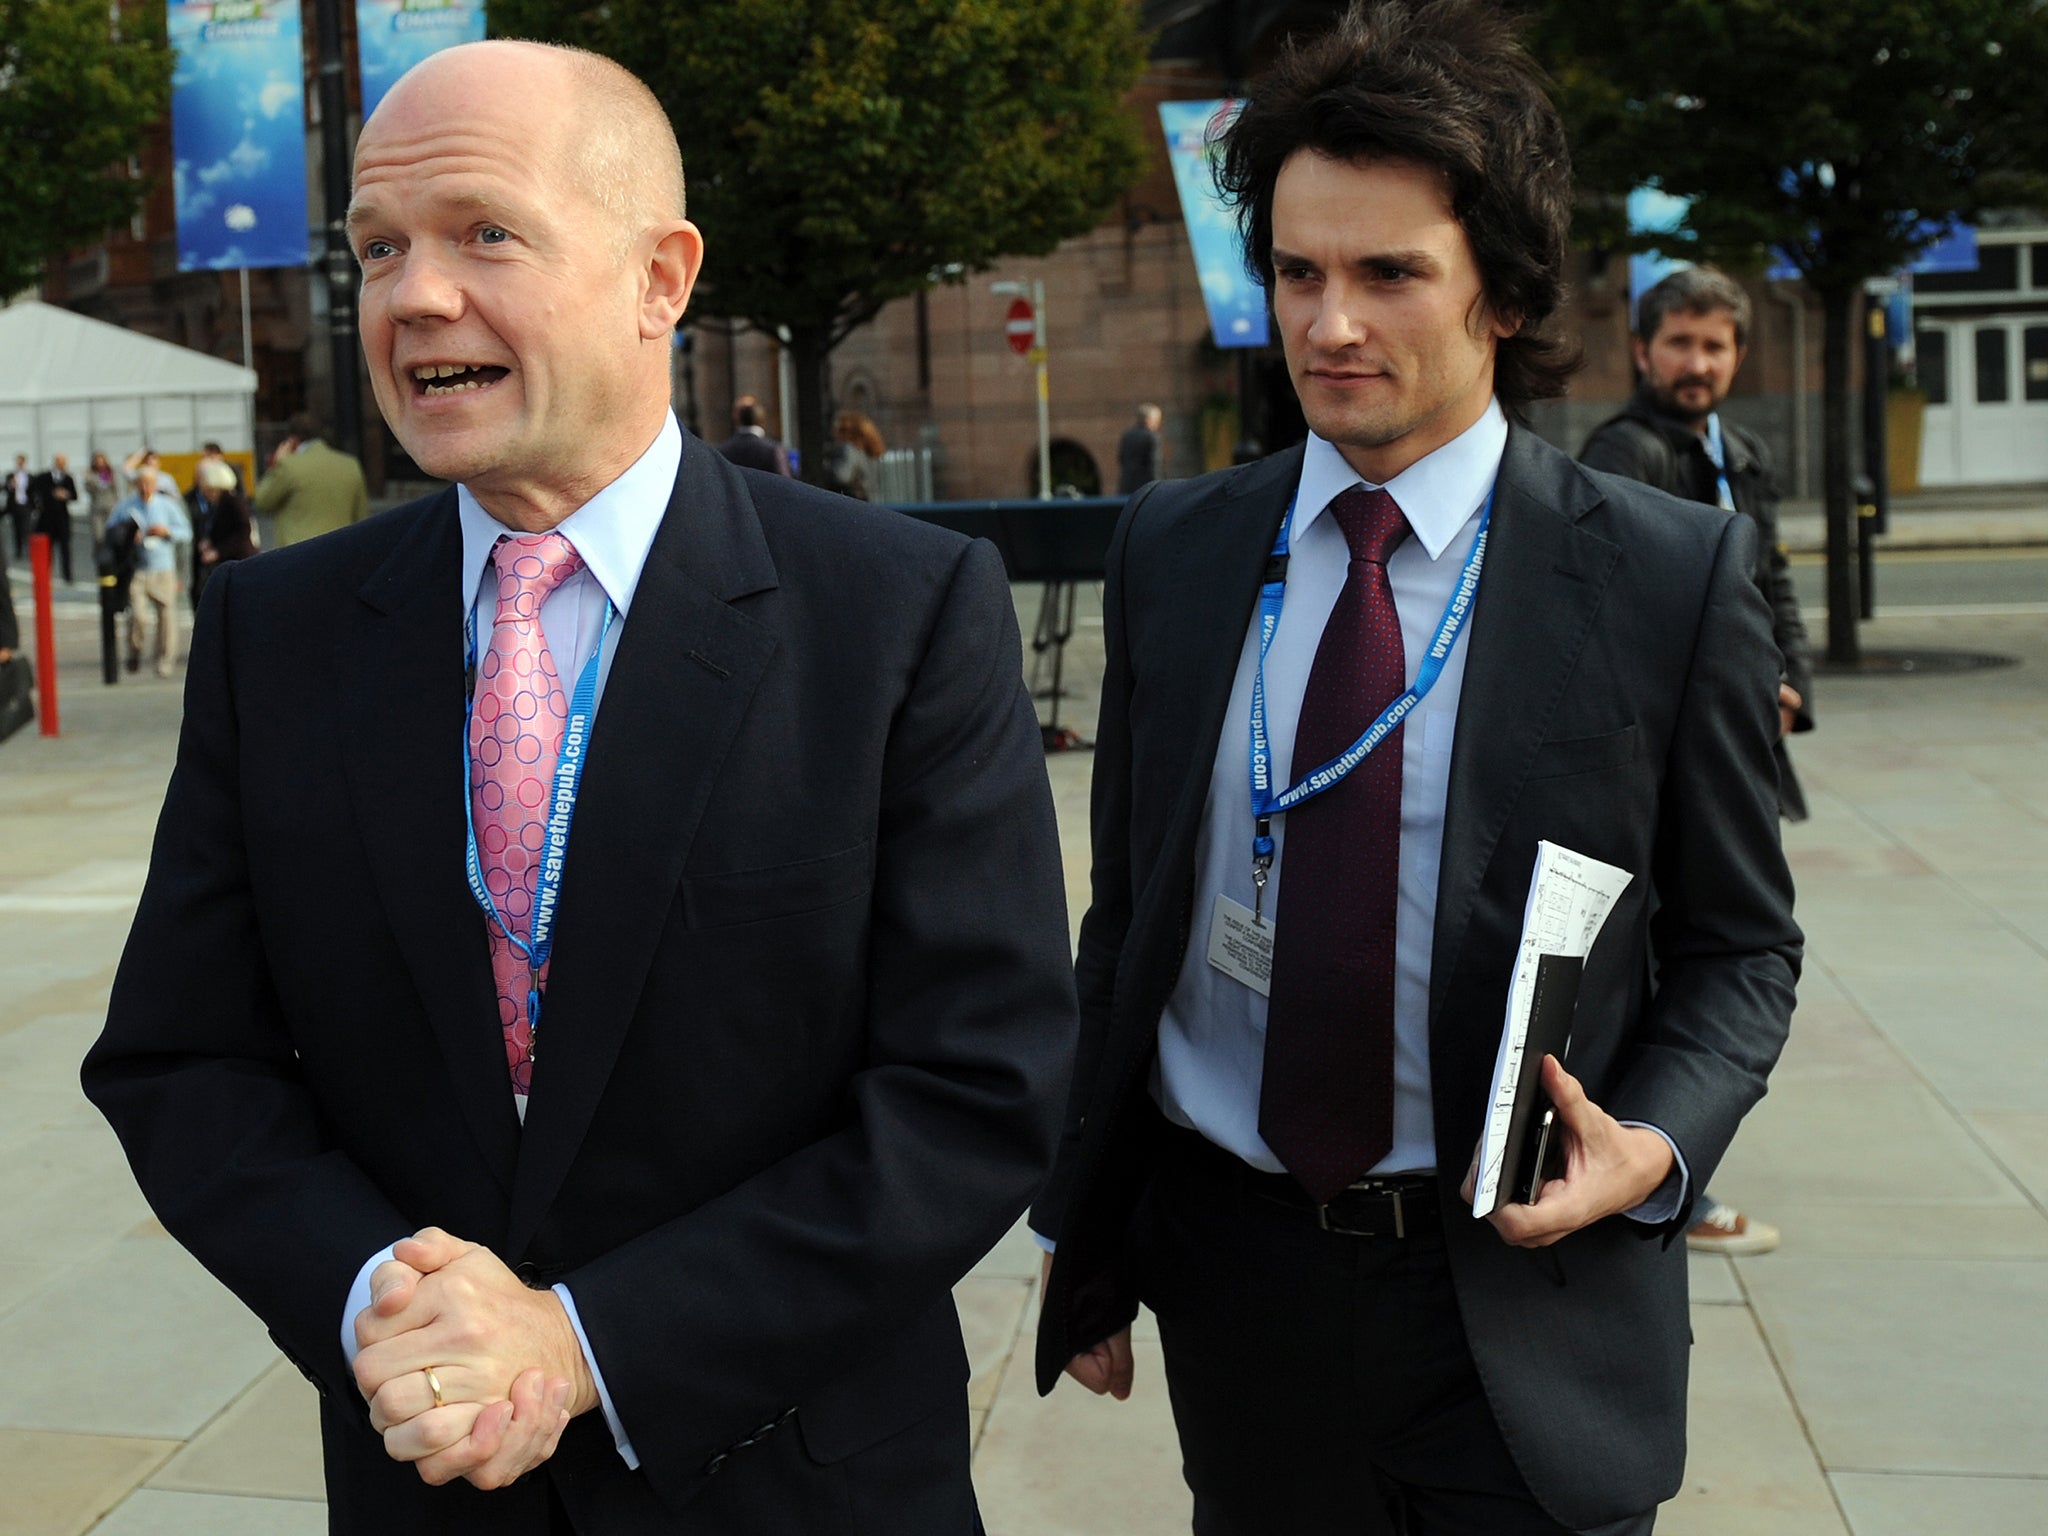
{"points": [[1348, 691]]}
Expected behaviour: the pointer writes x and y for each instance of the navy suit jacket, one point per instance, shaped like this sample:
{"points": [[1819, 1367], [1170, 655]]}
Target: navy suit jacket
{"points": [[809, 1017], [1618, 699]]}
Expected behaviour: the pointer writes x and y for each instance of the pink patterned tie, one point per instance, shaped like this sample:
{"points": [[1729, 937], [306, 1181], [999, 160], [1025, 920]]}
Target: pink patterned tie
{"points": [[515, 739]]}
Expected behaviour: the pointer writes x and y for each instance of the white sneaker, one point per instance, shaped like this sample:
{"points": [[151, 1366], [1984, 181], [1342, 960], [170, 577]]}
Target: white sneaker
{"points": [[1726, 1230]]}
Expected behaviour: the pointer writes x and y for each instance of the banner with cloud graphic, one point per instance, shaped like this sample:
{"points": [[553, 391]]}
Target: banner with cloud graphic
{"points": [[238, 133], [394, 35], [1237, 305]]}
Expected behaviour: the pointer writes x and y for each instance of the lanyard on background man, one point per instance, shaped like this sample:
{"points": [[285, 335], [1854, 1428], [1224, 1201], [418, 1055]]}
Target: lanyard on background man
{"points": [[1272, 597], [1717, 454], [568, 778]]}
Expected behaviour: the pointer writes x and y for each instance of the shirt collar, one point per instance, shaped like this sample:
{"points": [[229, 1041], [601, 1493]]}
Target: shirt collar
{"points": [[612, 531], [1438, 493]]}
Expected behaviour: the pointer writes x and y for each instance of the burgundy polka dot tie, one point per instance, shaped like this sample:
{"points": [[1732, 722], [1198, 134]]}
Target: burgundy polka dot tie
{"points": [[515, 740], [1326, 1105]]}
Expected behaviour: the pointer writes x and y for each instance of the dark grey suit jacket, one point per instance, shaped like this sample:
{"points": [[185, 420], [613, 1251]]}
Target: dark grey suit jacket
{"points": [[1618, 699], [809, 1019]]}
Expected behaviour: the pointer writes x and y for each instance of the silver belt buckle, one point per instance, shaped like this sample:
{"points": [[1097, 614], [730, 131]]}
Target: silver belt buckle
{"points": [[1400, 1220]]}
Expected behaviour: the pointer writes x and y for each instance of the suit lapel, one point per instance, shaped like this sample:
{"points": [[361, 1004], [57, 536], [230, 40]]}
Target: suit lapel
{"points": [[1539, 592], [687, 666], [404, 770], [1209, 572]]}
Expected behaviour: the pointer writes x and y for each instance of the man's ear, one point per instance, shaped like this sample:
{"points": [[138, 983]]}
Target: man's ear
{"points": [[672, 267], [1642, 353]]}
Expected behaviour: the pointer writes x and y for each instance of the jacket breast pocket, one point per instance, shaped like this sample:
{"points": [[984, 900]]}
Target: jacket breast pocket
{"points": [[731, 897], [1584, 754]]}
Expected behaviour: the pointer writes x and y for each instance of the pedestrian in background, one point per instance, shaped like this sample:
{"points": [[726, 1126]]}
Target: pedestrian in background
{"points": [[311, 488], [857, 450], [18, 502], [209, 454], [53, 492], [220, 521], [1692, 334], [16, 702], [102, 492], [10, 630], [146, 458], [1137, 451], [161, 523], [750, 446]]}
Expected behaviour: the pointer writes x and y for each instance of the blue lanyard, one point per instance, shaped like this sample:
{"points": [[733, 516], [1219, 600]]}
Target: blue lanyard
{"points": [[536, 948], [1717, 454], [1272, 597]]}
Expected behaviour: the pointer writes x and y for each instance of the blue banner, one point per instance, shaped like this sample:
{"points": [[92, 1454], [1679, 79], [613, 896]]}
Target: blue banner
{"points": [[1237, 305], [238, 133], [394, 35]]}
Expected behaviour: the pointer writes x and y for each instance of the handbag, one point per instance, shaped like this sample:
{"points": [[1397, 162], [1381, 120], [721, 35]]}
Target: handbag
{"points": [[17, 695]]}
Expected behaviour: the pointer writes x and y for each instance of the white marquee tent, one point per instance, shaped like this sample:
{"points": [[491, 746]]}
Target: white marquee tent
{"points": [[70, 384]]}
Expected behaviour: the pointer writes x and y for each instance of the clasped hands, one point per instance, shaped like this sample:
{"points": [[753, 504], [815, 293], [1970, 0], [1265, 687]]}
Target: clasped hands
{"points": [[506, 1367], [1609, 1168]]}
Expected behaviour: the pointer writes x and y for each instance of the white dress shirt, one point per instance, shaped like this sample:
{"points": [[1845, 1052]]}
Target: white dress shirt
{"points": [[613, 532]]}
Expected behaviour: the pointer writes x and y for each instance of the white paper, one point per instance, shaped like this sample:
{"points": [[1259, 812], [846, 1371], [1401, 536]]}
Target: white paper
{"points": [[1570, 896]]}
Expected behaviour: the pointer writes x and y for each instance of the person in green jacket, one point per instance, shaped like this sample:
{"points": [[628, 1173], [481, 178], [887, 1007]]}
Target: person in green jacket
{"points": [[311, 488]]}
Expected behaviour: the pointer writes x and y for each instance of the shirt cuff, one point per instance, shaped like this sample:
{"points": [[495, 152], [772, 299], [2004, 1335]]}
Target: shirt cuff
{"points": [[358, 1302], [1045, 1242], [1670, 1197], [627, 1454]]}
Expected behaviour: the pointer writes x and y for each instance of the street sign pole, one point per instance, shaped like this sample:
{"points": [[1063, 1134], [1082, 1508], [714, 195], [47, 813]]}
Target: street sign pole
{"points": [[1044, 391], [1017, 326]]}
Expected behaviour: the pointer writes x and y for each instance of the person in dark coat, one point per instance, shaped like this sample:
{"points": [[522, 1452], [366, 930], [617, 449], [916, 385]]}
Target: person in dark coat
{"points": [[16, 500], [1692, 333], [10, 629], [1289, 1021], [1137, 451], [220, 521], [53, 493], [750, 446]]}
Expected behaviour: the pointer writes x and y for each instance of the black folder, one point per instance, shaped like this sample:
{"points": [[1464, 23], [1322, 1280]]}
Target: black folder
{"points": [[1533, 1152]]}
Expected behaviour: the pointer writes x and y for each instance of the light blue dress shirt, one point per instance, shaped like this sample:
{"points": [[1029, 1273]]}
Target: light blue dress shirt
{"points": [[155, 551], [613, 532], [1212, 1034]]}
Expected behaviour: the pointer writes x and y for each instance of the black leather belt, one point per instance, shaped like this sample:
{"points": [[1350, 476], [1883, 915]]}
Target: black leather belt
{"points": [[1400, 1206]]}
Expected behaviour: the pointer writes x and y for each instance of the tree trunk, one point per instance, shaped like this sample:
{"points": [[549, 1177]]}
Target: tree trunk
{"points": [[810, 355], [1838, 311]]}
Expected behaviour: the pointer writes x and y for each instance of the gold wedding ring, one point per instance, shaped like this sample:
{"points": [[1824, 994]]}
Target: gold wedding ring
{"points": [[434, 1382]]}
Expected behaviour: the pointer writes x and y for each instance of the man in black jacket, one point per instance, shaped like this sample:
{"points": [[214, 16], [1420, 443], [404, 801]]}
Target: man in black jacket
{"points": [[1692, 333], [52, 492]]}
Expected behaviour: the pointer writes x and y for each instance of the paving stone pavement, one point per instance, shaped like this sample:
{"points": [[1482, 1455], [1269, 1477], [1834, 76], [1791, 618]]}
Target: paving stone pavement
{"points": [[1884, 1374]]}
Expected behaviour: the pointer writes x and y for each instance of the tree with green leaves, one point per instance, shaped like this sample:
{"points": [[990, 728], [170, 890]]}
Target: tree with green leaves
{"points": [[843, 153], [1844, 133], [78, 91]]}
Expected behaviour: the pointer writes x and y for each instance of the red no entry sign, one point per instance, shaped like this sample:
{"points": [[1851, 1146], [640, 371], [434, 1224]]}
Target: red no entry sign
{"points": [[1020, 326]]}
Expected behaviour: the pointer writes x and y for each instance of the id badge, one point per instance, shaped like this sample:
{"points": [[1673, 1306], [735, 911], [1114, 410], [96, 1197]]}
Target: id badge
{"points": [[1241, 945]]}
